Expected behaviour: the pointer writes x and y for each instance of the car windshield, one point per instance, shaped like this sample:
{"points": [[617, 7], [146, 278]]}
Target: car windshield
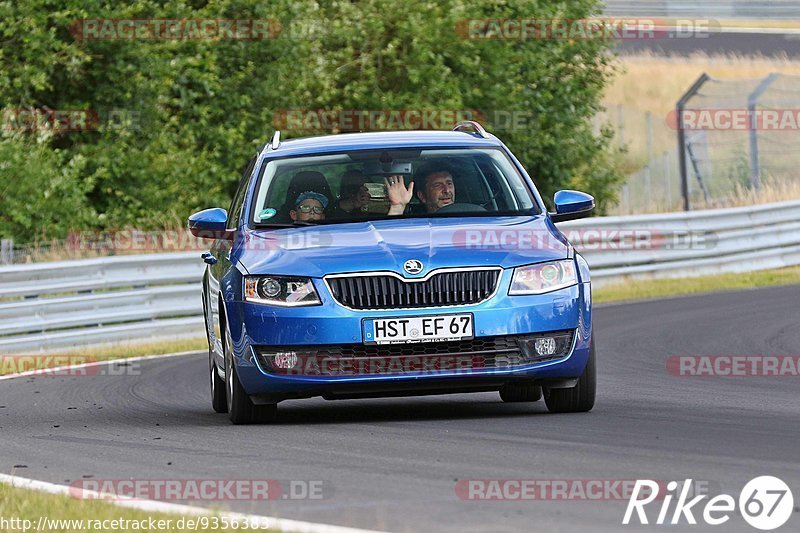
{"points": [[376, 184]]}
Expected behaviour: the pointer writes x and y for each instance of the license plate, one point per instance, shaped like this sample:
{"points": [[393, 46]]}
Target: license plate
{"points": [[434, 328]]}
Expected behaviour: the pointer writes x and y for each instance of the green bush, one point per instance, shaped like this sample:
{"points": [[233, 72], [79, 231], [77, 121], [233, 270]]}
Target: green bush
{"points": [[179, 119]]}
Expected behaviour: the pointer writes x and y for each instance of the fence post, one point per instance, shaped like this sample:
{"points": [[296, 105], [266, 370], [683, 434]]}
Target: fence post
{"points": [[696, 168], [679, 106], [752, 100], [6, 251], [667, 178]]}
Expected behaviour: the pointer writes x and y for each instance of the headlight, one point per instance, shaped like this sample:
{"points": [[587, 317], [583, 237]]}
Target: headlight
{"points": [[544, 277], [286, 291]]}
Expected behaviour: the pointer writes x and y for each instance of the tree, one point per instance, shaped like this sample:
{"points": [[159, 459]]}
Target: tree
{"points": [[177, 119]]}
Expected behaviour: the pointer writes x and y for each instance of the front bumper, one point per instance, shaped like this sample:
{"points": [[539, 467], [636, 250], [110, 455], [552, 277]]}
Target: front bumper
{"points": [[331, 324]]}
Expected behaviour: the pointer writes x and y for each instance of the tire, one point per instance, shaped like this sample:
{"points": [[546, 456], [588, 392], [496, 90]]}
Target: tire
{"points": [[241, 409], [520, 392], [219, 400], [578, 399]]}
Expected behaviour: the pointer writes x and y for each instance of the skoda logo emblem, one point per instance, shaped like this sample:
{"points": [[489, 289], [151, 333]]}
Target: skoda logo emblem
{"points": [[412, 266]]}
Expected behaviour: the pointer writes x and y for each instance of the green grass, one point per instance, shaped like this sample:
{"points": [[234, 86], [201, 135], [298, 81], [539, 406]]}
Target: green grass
{"points": [[661, 288], [24, 504], [119, 351]]}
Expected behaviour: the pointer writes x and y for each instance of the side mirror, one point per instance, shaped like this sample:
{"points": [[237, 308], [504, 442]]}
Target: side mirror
{"points": [[210, 224], [571, 205]]}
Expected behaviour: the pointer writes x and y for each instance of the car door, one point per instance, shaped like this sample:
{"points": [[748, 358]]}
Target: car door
{"points": [[221, 265]]}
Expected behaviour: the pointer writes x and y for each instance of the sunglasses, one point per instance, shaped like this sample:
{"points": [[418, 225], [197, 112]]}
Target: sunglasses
{"points": [[309, 208]]}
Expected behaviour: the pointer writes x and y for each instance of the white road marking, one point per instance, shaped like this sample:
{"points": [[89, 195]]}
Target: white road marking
{"points": [[263, 522]]}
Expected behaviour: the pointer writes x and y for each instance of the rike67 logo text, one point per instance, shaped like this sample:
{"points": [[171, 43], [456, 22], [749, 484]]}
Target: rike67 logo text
{"points": [[765, 503]]}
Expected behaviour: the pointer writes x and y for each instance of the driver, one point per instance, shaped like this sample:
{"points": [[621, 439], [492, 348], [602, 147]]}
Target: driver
{"points": [[438, 190]]}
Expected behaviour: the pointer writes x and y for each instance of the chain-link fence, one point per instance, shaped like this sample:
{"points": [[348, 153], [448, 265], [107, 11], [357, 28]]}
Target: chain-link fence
{"points": [[650, 161], [739, 145], [740, 139]]}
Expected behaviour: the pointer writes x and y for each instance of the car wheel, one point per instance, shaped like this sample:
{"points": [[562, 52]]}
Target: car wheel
{"points": [[579, 398], [241, 409], [520, 392]]}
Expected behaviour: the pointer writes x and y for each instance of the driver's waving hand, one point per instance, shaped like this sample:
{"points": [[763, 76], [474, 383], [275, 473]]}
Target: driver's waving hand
{"points": [[438, 191]]}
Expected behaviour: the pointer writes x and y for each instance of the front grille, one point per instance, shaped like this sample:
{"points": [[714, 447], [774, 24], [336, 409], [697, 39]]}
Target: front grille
{"points": [[385, 291], [482, 353]]}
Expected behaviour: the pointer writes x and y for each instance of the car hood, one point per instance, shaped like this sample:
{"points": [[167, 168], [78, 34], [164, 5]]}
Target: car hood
{"points": [[386, 245]]}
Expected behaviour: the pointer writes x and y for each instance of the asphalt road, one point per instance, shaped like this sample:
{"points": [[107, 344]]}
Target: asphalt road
{"points": [[774, 45], [393, 464]]}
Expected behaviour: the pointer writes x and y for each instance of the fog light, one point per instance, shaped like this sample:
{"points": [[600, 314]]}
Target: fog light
{"points": [[545, 346], [285, 360]]}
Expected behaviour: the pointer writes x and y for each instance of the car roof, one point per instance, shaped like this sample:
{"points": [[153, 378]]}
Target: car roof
{"points": [[378, 140]]}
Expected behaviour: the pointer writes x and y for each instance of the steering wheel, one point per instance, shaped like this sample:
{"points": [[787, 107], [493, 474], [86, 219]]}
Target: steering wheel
{"points": [[462, 208], [492, 199]]}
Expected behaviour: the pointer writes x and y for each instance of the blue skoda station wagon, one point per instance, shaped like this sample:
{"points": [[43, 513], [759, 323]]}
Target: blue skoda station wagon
{"points": [[394, 264]]}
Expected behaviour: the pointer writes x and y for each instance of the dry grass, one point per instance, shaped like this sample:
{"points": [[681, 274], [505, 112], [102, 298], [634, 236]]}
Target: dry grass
{"points": [[742, 196], [650, 83], [782, 24]]}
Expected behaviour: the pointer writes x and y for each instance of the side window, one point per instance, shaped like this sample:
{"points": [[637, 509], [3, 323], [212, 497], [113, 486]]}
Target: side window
{"points": [[235, 212]]}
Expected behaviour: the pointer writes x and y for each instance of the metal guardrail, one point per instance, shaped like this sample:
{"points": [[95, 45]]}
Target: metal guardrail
{"points": [[696, 243], [45, 306], [717, 9], [48, 306]]}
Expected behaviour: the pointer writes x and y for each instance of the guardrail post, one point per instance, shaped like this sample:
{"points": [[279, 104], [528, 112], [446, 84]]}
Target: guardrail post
{"points": [[6, 251], [679, 107]]}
